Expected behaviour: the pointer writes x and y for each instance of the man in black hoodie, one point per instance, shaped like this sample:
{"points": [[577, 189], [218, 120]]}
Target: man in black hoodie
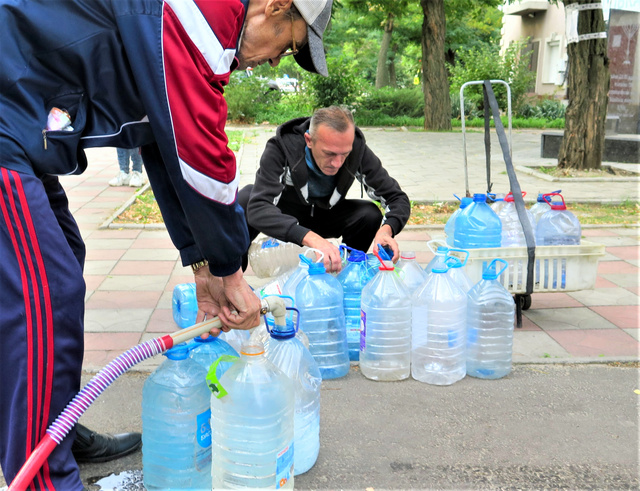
{"points": [[305, 173]]}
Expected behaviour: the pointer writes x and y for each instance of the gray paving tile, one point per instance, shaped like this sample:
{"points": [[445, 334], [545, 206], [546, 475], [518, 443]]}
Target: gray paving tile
{"points": [[634, 333], [568, 318], [165, 301], [150, 255], [108, 243], [612, 241], [605, 296], [120, 320], [623, 280], [153, 234], [99, 267], [629, 231], [151, 283], [536, 345]]}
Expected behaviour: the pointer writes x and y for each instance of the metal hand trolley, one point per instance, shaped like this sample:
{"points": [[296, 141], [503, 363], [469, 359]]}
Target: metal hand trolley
{"points": [[530, 269]]}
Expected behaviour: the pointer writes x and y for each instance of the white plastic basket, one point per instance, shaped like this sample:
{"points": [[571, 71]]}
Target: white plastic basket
{"points": [[556, 269]]}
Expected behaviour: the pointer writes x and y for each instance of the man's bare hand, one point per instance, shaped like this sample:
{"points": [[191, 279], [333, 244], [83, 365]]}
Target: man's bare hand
{"points": [[332, 259], [384, 238]]}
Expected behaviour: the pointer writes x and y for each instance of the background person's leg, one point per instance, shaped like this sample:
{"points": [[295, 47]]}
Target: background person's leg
{"points": [[123, 177], [137, 179]]}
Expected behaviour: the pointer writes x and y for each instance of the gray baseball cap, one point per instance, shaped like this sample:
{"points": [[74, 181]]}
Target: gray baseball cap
{"points": [[316, 14]]}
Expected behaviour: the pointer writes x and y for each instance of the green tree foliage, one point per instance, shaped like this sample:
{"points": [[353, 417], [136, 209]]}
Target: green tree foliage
{"points": [[341, 86]]}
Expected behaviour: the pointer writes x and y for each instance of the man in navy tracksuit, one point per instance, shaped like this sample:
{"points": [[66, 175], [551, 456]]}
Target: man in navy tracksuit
{"points": [[124, 73]]}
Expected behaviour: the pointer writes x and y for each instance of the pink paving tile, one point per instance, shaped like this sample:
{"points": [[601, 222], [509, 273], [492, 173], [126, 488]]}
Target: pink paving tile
{"points": [[104, 254], [123, 300], [623, 316], [176, 280], [596, 342], [626, 252], [153, 244], [98, 359], [528, 325], [634, 289], [110, 341], [604, 283], [419, 235], [93, 281], [617, 267], [143, 267], [423, 257], [162, 321], [597, 232], [125, 233], [553, 301]]}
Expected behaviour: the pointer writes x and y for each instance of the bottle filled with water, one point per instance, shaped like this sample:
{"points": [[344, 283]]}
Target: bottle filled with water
{"points": [[450, 226], [477, 226], [252, 424], [490, 318], [176, 435], [512, 231], [558, 226], [541, 206], [207, 351]]}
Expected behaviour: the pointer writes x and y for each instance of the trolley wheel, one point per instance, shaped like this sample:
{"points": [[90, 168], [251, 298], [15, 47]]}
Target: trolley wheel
{"points": [[524, 301]]}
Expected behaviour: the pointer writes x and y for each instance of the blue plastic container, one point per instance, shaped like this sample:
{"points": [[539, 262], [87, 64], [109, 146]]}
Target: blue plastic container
{"points": [[490, 318], [184, 304], [319, 298], [207, 351], [176, 434], [385, 336], [252, 425], [477, 226], [353, 279], [450, 226], [288, 353]]}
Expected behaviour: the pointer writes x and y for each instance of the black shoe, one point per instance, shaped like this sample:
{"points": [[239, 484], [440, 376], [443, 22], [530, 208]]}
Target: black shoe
{"points": [[91, 447]]}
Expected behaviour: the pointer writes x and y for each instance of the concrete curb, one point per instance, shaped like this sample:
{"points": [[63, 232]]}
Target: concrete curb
{"points": [[546, 177]]}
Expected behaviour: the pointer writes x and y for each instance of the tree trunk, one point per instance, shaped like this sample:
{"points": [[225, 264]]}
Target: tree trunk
{"points": [[382, 71], [393, 78], [435, 85], [587, 87]]}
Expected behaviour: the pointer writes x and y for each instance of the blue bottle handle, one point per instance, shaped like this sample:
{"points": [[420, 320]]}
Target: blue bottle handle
{"points": [[492, 264], [292, 309]]}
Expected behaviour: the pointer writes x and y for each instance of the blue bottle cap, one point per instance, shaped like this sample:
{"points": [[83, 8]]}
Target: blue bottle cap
{"points": [[442, 250], [440, 270], [356, 256], [283, 332], [479, 197], [178, 352], [210, 339], [490, 274], [316, 268]]}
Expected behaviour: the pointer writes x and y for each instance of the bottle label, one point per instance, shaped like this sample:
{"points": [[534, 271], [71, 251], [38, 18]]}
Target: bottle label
{"points": [[270, 243], [363, 330], [203, 437], [284, 466]]}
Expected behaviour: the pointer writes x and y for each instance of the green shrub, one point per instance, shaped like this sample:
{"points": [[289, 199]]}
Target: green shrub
{"points": [[549, 109], [470, 109], [393, 102], [339, 88], [248, 96]]}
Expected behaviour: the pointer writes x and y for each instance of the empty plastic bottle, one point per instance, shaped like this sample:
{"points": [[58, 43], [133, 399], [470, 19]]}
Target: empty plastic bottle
{"points": [[439, 319], [512, 231], [300, 272], [235, 337], [287, 353], [540, 207], [450, 226], [456, 267], [184, 304], [410, 271], [176, 436], [490, 318], [319, 299], [373, 263], [353, 279], [271, 257], [275, 286], [385, 335], [558, 226], [498, 202], [207, 351], [252, 411], [477, 226], [439, 254]]}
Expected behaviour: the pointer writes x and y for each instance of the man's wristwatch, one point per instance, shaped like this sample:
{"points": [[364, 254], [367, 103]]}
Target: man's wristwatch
{"points": [[200, 264]]}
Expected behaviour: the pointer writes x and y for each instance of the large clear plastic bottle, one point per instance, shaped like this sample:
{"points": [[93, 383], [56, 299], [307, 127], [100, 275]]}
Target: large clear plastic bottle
{"points": [[540, 207], [498, 203], [184, 304], [410, 271], [319, 299], [450, 226], [235, 337], [207, 351], [477, 226], [558, 226], [456, 267], [490, 318], [287, 353], [252, 425], [385, 335], [176, 436], [512, 231], [275, 286], [353, 279], [300, 272], [271, 257], [439, 321]]}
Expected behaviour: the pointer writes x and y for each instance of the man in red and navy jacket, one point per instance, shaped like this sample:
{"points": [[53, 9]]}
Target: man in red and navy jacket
{"points": [[128, 73]]}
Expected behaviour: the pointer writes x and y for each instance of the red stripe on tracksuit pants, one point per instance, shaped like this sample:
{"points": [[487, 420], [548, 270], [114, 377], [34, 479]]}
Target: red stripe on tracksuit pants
{"points": [[41, 322]]}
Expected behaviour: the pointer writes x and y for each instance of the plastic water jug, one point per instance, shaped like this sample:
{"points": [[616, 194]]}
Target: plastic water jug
{"points": [[558, 226], [512, 231], [207, 351], [252, 409], [490, 318], [477, 226], [176, 436], [260, 334], [184, 304], [541, 206], [235, 337], [456, 267], [439, 319], [319, 299], [353, 279], [271, 257], [450, 226], [385, 332], [274, 286], [287, 353], [373, 263], [498, 202], [300, 272], [410, 271]]}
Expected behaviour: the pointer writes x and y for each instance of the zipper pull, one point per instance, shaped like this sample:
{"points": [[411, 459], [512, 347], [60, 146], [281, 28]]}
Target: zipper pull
{"points": [[312, 207], [44, 138]]}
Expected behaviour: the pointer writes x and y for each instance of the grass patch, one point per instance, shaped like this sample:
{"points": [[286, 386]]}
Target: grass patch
{"points": [[604, 171]]}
